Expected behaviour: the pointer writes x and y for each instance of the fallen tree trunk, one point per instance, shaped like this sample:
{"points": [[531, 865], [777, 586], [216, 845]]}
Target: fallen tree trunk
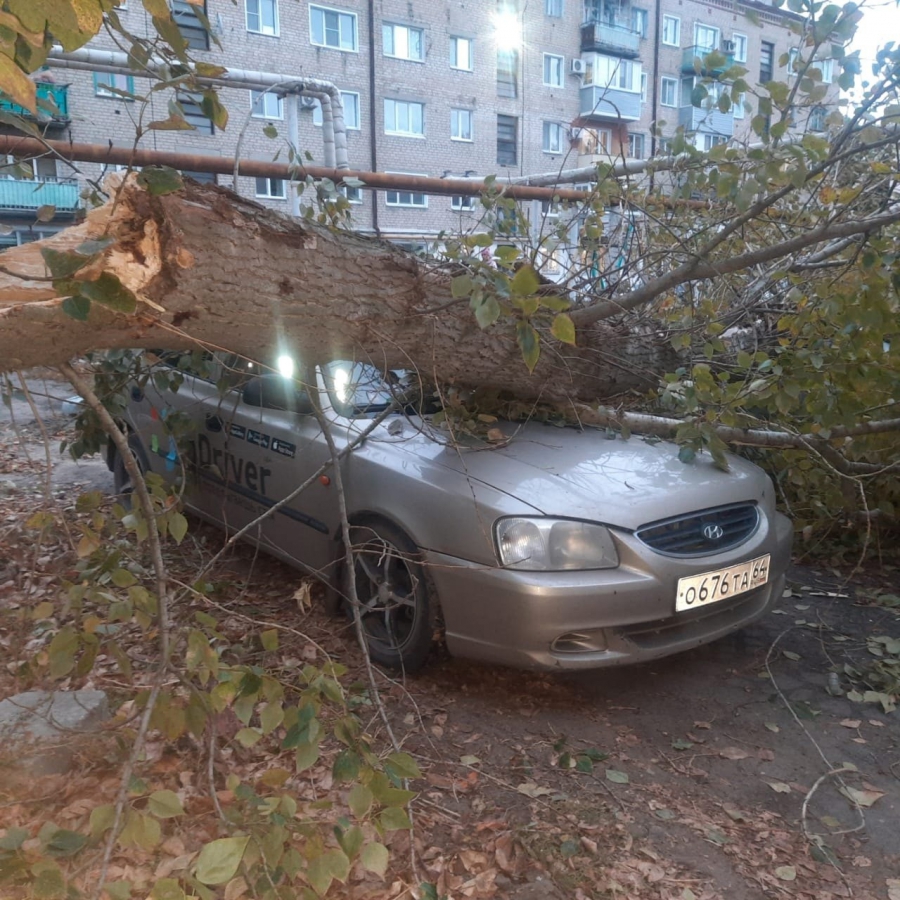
{"points": [[212, 269]]}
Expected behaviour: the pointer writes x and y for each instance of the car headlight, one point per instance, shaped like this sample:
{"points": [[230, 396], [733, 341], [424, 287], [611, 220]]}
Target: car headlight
{"points": [[548, 545]]}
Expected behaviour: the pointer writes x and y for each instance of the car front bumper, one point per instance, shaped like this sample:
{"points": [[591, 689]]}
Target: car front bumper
{"points": [[583, 620]]}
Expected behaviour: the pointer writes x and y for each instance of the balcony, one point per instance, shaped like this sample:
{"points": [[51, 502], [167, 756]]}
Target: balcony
{"points": [[27, 195], [706, 121], [53, 95], [602, 37], [704, 61], [609, 104]]}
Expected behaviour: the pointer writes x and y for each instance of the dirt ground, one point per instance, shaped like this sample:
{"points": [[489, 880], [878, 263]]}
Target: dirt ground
{"points": [[744, 769]]}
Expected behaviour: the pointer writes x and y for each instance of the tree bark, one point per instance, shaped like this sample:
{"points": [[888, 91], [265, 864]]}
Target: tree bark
{"points": [[213, 269]]}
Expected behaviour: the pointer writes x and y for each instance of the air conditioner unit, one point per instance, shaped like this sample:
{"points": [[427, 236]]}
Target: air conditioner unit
{"points": [[578, 66], [728, 46], [308, 102]]}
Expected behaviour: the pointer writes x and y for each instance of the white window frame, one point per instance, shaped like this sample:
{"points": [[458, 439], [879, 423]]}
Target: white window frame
{"points": [[677, 25], [548, 130], [353, 194], [269, 195], [665, 81], [547, 70], [103, 81], [737, 106], [640, 21], [742, 41], [455, 40], [316, 8], [404, 133], [553, 8], [712, 29], [345, 95], [264, 98], [639, 137], [410, 205], [643, 87], [274, 32], [616, 73], [713, 140], [408, 29], [456, 120], [459, 203], [826, 67]]}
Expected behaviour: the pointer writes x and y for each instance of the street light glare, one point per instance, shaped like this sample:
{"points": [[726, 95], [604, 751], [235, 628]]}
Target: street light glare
{"points": [[507, 30]]}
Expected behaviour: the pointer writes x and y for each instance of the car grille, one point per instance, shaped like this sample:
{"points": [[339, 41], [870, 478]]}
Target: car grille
{"points": [[703, 533]]}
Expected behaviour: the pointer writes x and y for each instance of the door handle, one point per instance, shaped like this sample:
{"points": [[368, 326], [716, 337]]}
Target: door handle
{"points": [[214, 423]]}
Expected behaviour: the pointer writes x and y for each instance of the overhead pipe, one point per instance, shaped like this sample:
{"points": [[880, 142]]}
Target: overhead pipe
{"points": [[91, 59]]}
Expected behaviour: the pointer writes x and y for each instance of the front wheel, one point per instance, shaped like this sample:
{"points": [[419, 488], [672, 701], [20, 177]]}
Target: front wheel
{"points": [[397, 608]]}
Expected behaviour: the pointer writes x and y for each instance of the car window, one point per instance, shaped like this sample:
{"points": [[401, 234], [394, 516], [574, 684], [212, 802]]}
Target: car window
{"points": [[357, 388]]}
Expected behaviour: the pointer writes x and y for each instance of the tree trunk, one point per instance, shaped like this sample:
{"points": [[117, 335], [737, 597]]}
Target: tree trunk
{"points": [[209, 267]]}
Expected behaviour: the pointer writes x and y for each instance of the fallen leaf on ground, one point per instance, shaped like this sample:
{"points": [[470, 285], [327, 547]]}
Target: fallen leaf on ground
{"points": [[862, 862], [786, 873], [851, 723], [530, 789], [893, 886], [863, 798], [779, 787], [772, 727], [733, 753], [764, 754], [616, 776]]}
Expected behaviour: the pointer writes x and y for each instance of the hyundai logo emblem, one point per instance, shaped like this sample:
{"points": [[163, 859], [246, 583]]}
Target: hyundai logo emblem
{"points": [[713, 532]]}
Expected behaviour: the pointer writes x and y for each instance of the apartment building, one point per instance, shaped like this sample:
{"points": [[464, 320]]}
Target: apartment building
{"points": [[432, 87]]}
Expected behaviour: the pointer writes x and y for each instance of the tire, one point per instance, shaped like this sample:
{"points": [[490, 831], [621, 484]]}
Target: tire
{"points": [[121, 479], [397, 604]]}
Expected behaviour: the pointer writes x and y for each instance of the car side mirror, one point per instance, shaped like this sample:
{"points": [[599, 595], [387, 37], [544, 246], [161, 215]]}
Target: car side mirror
{"points": [[275, 392]]}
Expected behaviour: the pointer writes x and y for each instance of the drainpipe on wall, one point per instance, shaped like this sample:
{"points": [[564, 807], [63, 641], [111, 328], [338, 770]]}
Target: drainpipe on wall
{"points": [[654, 93], [373, 119]]}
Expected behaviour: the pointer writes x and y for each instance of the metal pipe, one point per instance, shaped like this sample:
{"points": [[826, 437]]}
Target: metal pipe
{"points": [[293, 127], [93, 60], [223, 165]]}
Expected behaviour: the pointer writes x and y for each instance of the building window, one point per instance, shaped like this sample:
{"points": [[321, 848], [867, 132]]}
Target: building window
{"points": [[404, 117], [507, 73], [333, 28], [612, 72], [640, 21], [462, 204], [405, 198], [554, 137], [553, 70], [549, 209], [553, 8], [596, 141], [665, 146], [817, 119], [794, 62], [460, 124], [353, 194], [350, 103], [262, 16], [668, 91], [108, 85], [403, 42], [270, 188], [826, 67], [187, 17], [507, 140], [643, 87], [740, 47], [671, 31], [200, 177], [194, 115], [266, 105], [737, 105], [713, 140], [766, 61], [636, 146], [706, 38], [461, 56]]}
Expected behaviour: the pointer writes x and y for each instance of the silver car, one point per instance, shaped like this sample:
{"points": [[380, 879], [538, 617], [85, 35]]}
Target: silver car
{"points": [[544, 547]]}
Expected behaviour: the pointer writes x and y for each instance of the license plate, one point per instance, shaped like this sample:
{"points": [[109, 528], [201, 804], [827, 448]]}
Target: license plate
{"points": [[711, 587]]}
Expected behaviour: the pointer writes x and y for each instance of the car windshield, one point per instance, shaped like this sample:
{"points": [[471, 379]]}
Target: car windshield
{"points": [[359, 388]]}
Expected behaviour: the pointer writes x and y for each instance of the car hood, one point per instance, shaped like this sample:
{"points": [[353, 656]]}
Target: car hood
{"points": [[585, 475]]}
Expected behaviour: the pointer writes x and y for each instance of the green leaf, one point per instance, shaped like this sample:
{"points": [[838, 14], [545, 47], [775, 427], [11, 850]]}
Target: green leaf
{"points": [[687, 454], [62, 264], [45, 213], [49, 883], [616, 776], [248, 737], [563, 329], [159, 180], [269, 639], [306, 756], [62, 652], [108, 291], [529, 343], [375, 857], [178, 526], [359, 800], [402, 765], [102, 818], [77, 307], [165, 804], [525, 281], [219, 860], [65, 843], [394, 819], [16, 84], [346, 766], [584, 764], [167, 889], [213, 109], [487, 312], [462, 286]]}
